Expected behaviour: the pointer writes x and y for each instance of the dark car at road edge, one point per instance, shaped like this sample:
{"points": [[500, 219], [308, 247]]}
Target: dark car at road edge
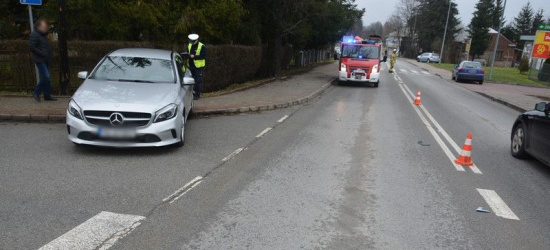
{"points": [[531, 134]]}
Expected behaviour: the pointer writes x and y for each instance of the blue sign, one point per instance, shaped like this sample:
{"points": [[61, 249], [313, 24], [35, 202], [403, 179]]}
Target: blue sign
{"points": [[31, 2]]}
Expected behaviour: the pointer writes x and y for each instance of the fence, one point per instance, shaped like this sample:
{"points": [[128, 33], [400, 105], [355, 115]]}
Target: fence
{"points": [[226, 65], [306, 57]]}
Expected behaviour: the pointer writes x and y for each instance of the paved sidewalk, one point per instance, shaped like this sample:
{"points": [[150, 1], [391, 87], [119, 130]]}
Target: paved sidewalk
{"points": [[292, 90], [518, 97]]}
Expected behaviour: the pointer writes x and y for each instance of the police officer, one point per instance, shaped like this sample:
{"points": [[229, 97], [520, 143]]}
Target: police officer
{"points": [[197, 56]]}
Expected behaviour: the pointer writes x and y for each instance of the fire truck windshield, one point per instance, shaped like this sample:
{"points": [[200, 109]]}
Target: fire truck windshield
{"points": [[361, 52]]}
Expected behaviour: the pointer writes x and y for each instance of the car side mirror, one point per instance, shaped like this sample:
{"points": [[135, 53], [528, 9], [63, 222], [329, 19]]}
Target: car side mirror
{"points": [[188, 81], [83, 75], [541, 106]]}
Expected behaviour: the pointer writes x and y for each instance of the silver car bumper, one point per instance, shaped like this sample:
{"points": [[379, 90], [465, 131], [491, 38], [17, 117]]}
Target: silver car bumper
{"points": [[152, 135]]}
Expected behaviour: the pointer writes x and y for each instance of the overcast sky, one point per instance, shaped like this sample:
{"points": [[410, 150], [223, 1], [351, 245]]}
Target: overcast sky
{"points": [[380, 10]]}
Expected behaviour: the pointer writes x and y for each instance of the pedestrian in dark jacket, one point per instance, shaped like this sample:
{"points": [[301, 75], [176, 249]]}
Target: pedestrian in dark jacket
{"points": [[41, 51]]}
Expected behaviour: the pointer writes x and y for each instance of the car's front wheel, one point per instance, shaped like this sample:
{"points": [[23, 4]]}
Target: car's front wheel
{"points": [[518, 142], [182, 134]]}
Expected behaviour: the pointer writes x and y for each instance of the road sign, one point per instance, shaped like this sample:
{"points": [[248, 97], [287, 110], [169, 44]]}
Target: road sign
{"points": [[541, 47], [544, 26], [31, 2]]}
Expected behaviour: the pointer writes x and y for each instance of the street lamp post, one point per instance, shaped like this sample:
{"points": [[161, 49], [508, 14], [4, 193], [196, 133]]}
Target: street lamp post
{"points": [[496, 43], [445, 34]]}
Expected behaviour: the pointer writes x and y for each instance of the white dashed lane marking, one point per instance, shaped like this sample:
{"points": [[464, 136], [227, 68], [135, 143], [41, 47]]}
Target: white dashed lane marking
{"points": [[98, 232], [496, 203], [236, 152], [282, 119], [182, 189], [265, 131]]}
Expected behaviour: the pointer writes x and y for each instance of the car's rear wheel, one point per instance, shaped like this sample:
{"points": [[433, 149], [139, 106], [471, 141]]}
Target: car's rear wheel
{"points": [[428, 61], [480, 82], [518, 142], [453, 77], [182, 134]]}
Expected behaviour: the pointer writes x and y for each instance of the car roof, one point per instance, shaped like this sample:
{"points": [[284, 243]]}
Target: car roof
{"points": [[143, 52]]}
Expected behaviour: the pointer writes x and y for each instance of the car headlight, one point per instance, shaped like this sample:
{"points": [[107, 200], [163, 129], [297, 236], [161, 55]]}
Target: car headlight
{"points": [[375, 68], [342, 67], [74, 110], [166, 113]]}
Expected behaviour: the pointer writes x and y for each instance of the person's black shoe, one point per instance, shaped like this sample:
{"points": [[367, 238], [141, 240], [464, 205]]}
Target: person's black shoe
{"points": [[50, 99], [37, 98]]}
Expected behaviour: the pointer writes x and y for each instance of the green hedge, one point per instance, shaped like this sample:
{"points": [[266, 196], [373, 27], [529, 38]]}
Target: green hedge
{"points": [[226, 64]]}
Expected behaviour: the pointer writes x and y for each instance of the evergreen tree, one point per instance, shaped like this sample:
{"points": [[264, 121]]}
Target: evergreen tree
{"points": [[497, 15], [537, 20], [432, 15], [479, 27], [523, 23]]}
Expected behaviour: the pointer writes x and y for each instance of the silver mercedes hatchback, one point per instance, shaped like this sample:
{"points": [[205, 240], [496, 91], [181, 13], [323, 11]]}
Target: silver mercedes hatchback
{"points": [[132, 98]]}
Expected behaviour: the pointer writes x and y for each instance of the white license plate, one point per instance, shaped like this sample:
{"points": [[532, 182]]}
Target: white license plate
{"points": [[119, 133], [358, 77]]}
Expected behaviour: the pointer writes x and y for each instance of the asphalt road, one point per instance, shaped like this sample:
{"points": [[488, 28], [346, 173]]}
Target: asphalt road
{"points": [[359, 168]]}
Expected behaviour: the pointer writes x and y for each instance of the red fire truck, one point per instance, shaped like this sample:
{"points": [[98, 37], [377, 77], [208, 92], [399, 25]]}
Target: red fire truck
{"points": [[360, 60]]}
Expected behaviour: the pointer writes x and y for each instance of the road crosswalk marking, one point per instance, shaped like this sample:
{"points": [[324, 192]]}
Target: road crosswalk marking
{"points": [[496, 203], [98, 232], [415, 72]]}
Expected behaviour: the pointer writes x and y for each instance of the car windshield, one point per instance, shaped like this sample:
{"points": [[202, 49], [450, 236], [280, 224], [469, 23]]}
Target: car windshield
{"points": [[471, 65], [361, 52], [135, 69]]}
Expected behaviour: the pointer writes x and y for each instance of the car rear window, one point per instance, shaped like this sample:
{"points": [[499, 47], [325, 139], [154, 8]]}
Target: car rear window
{"points": [[135, 69], [472, 65]]}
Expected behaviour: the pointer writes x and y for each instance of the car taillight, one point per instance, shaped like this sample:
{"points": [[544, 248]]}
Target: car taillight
{"points": [[462, 70], [482, 71]]}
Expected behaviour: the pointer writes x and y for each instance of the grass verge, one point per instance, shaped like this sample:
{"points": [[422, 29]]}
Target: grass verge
{"points": [[502, 75]]}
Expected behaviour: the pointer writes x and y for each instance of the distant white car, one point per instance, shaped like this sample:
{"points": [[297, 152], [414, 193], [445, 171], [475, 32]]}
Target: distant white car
{"points": [[428, 57], [133, 98]]}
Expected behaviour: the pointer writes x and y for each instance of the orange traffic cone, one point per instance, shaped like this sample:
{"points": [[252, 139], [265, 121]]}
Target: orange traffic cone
{"points": [[465, 158], [417, 100]]}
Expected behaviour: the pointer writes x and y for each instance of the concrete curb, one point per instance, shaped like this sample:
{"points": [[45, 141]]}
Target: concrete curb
{"points": [[228, 111], [30, 118]]}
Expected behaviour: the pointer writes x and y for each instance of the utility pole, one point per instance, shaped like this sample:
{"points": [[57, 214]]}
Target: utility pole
{"points": [[496, 43], [445, 34], [64, 74]]}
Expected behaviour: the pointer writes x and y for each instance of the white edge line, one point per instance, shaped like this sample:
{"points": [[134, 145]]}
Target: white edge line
{"points": [[263, 132], [496, 203], [198, 178], [432, 131], [230, 156], [282, 119], [194, 185]]}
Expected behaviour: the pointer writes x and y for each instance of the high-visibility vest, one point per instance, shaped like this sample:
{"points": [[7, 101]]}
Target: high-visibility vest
{"points": [[199, 63]]}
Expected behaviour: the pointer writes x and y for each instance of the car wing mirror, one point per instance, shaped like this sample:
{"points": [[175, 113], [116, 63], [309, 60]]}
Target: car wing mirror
{"points": [[541, 106], [188, 81], [83, 75]]}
